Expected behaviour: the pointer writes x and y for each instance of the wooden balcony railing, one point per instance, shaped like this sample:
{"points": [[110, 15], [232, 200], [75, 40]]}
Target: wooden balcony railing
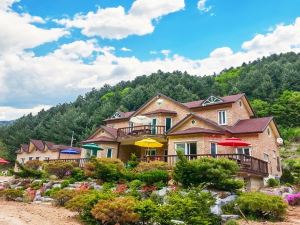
{"points": [[141, 130], [246, 163], [77, 162]]}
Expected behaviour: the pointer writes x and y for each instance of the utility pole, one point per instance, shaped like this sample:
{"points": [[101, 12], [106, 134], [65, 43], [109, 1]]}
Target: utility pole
{"points": [[72, 139]]}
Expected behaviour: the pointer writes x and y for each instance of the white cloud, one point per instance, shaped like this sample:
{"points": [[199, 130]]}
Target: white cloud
{"points": [[124, 49], [18, 33], [28, 81], [202, 6], [115, 23], [165, 52], [11, 113]]}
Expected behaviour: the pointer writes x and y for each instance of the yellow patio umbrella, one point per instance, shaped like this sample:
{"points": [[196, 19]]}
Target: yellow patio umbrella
{"points": [[148, 143]]}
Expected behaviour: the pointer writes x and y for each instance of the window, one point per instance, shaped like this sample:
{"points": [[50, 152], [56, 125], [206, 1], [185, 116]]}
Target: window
{"points": [[151, 152], [240, 103], [30, 158], [193, 121], [47, 158], [274, 154], [266, 157], [212, 100], [188, 148], [222, 117], [213, 148], [268, 131], [22, 160], [130, 124], [37, 158], [168, 123], [245, 151], [153, 126], [278, 164], [109, 153]]}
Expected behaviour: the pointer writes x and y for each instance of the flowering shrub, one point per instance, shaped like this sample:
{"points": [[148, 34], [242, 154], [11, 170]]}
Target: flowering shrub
{"points": [[121, 188], [293, 199], [33, 164], [59, 168]]}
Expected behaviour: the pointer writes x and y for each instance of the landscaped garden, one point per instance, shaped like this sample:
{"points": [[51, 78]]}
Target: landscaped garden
{"points": [[203, 191]]}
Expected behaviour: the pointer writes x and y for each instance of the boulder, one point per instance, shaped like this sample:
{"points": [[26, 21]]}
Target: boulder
{"points": [[225, 218]]}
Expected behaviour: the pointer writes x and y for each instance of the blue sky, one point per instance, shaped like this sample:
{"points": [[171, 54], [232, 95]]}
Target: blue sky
{"points": [[53, 50]]}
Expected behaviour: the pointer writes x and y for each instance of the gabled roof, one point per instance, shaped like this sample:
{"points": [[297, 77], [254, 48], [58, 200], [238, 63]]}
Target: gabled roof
{"points": [[161, 111], [225, 100], [100, 139], [123, 115], [110, 130], [156, 97], [208, 121], [196, 130], [39, 144], [25, 147], [254, 125], [49, 144]]}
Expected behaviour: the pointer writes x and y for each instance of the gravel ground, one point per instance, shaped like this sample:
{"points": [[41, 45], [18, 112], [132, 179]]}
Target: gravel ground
{"points": [[293, 218], [13, 213]]}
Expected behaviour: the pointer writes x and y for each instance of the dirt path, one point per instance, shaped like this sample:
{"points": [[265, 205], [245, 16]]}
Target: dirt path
{"points": [[13, 213], [293, 218]]}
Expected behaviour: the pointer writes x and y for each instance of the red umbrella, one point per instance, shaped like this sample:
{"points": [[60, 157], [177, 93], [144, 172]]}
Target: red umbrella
{"points": [[234, 142], [3, 161]]}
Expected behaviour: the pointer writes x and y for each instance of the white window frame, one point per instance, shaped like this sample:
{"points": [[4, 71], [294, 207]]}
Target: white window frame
{"points": [[220, 122], [216, 146], [268, 156], [47, 158], [166, 123], [250, 150], [111, 153], [185, 146]]}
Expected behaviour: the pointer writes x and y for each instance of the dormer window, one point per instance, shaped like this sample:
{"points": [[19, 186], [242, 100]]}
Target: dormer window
{"points": [[116, 115], [212, 100], [222, 117]]}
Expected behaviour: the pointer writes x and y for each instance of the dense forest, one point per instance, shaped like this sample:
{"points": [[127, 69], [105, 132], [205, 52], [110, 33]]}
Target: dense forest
{"points": [[272, 84]]}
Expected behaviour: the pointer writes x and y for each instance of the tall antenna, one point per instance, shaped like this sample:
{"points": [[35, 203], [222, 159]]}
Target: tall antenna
{"points": [[72, 139]]}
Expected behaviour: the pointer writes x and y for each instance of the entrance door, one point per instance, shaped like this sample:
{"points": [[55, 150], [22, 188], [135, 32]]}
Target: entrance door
{"points": [[153, 126]]}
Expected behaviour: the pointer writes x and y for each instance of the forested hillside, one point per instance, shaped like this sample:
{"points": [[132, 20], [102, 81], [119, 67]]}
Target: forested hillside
{"points": [[272, 84]]}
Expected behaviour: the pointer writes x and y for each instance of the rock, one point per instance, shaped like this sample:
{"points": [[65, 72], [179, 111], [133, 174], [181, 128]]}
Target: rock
{"points": [[19, 199], [162, 192], [56, 186], [216, 209], [37, 196], [229, 217]]}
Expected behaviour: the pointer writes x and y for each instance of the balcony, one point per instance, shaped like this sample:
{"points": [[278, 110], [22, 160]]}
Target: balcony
{"points": [[141, 130], [247, 164]]}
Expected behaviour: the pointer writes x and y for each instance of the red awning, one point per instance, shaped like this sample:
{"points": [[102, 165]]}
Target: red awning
{"points": [[234, 142], [3, 161]]}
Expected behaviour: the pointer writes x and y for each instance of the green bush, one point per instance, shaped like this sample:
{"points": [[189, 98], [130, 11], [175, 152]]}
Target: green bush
{"points": [[293, 166], [64, 184], [152, 165], [62, 196], [231, 222], [190, 206], [146, 210], [11, 194], [36, 185], [33, 164], [52, 191], [258, 205], [153, 176], [25, 172], [273, 182], [59, 168], [133, 161], [78, 174], [229, 208], [119, 210], [216, 173], [107, 170]]}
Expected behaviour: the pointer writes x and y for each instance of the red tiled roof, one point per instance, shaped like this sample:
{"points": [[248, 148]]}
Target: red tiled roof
{"points": [[49, 144], [25, 147], [111, 130], [163, 111], [124, 115], [226, 99], [196, 130], [100, 139], [39, 144], [255, 125]]}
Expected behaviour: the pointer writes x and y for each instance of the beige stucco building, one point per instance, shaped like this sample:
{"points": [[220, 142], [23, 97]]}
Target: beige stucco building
{"points": [[196, 128], [43, 151]]}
